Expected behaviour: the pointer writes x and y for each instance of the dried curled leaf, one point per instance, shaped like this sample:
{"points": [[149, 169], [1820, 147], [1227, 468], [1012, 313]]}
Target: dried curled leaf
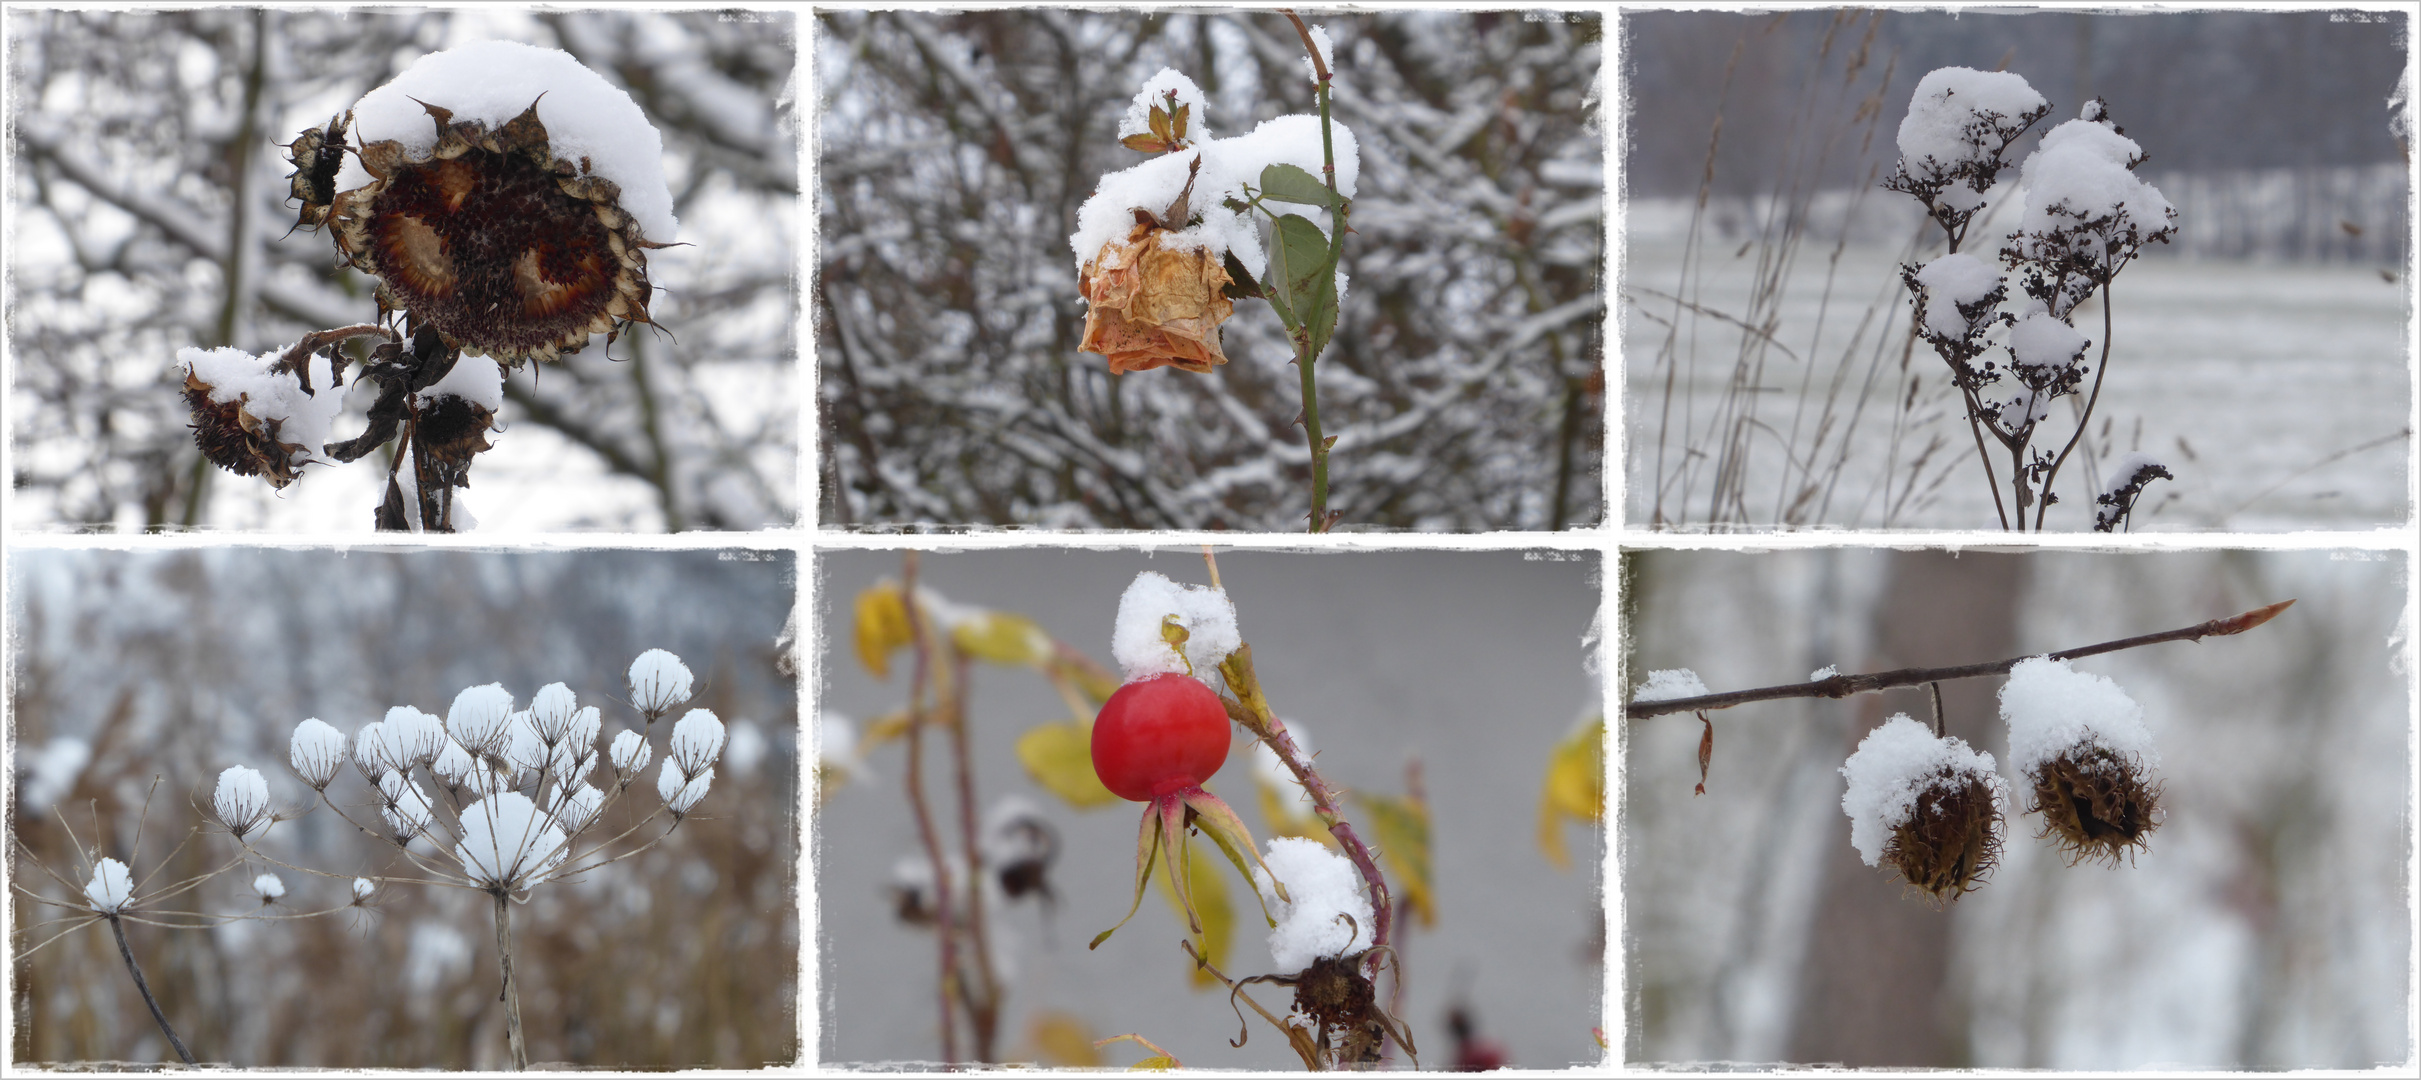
{"points": [[1155, 307]]}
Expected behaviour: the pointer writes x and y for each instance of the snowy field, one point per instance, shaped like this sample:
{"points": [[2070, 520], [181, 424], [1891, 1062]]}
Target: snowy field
{"points": [[2279, 394]]}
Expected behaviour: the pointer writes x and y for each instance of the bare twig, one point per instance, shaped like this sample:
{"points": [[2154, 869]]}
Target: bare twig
{"points": [[1841, 686], [119, 929]]}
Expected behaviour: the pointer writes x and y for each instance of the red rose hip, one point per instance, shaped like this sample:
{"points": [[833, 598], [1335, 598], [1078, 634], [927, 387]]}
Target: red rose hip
{"points": [[1159, 735]]}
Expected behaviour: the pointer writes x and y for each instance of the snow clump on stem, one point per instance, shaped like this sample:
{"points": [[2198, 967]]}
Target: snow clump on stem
{"points": [[1140, 639], [1326, 912]]}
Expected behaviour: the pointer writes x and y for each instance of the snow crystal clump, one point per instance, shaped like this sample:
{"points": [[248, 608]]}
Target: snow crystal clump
{"points": [[1322, 886], [1942, 133], [2052, 707], [658, 681], [1208, 616], [479, 384], [507, 843], [1950, 281], [587, 119], [1227, 166], [303, 419], [1823, 673], [1670, 684], [1138, 118], [2082, 172], [1328, 53], [1892, 766], [110, 887], [2040, 341]]}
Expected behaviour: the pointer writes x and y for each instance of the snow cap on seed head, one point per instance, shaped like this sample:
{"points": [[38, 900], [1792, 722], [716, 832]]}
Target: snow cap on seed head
{"points": [[1140, 640], [679, 790], [416, 736], [551, 712], [697, 740], [477, 717], [317, 752], [508, 843], [268, 888], [658, 681], [110, 888], [1894, 764], [242, 801], [630, 753], [362, 888]]}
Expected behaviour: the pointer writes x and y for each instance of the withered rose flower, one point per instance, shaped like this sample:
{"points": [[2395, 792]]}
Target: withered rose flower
{"points": [[1153, 307], [493, 241]]}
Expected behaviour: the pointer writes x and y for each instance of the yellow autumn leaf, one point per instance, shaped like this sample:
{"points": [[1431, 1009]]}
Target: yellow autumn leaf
{"points": [[1059, 756], [1401, 827], [1574, 787], [1161, 1063], [883, 729], [1002, 638], [882, 626], [1061, 1040], [1210, 902]]}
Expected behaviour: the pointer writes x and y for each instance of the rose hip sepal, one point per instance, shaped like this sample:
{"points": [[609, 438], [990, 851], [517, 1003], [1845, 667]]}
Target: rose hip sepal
{"points": [[1155, 742]]}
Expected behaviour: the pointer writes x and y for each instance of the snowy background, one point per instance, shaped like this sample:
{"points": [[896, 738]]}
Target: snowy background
{"points": [[134, 665], [149, 167], [2267, 926], [2262, 355], [1471, 663], [1465, 380]]}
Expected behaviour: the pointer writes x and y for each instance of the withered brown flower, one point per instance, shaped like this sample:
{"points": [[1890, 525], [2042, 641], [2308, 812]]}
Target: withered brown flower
{"points": [[1151, 306], [493, 241], [237, 440], [2096, 804]]}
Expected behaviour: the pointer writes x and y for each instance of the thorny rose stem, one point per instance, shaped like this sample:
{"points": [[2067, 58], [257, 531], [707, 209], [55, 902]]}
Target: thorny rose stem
{"points": [[916, 800], [1320, 519], [119, 929], [1841, 686]]}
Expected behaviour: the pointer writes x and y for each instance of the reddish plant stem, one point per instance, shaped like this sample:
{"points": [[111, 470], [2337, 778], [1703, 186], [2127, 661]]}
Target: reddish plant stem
{"points": [[1841, 686], [925, 831], [982, 999], [1251, 709]]}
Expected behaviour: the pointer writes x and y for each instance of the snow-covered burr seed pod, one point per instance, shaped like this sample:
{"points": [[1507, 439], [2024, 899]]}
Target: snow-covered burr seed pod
{"points": [[1932, 808], [502, 194], [659, 681], [1140, 641], [2080, 745], [241, 801]]}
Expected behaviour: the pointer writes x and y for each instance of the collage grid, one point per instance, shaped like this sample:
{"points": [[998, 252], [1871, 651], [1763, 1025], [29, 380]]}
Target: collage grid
{"points": [[855, 654]]}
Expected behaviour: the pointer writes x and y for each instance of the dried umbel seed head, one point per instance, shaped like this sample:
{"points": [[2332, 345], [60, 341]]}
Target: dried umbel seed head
{"points": [[493, 241], [1951, 839], [1151, 306], [2095, 803]]}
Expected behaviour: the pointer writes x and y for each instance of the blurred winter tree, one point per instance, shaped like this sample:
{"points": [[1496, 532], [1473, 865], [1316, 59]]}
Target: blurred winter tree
{"points": [[1465, 382], [152, 209]]}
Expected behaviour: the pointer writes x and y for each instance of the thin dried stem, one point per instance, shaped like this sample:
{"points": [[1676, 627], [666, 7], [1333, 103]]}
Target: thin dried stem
{"points": [[144, 986], [1841, 686], [925, 832], [512, 990]]}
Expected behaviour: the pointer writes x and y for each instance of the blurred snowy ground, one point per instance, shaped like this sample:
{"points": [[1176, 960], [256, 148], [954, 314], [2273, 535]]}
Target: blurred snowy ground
{"points": [[2279, 394], [2267, 926]]}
